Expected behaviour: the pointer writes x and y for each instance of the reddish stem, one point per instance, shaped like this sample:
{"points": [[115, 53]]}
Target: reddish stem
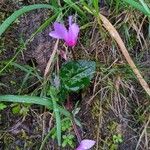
{"points": [[76, 131]]}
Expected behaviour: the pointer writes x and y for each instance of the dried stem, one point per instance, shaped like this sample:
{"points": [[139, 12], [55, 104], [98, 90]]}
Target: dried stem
{"points": [[73, 53], [47, 70]]}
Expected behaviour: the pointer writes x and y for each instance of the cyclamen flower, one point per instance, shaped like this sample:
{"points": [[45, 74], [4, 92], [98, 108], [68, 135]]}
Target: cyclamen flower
{"points": [[86, 144], [70, 36]]}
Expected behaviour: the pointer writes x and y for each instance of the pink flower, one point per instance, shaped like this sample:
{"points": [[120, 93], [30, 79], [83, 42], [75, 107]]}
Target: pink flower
{"points": [[70, 36], [86, 144]]}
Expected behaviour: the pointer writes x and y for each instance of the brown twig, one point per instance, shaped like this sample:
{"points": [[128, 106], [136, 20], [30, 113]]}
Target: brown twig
{"points": [[47, 70]]}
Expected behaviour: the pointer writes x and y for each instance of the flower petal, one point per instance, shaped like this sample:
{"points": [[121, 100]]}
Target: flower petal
{"points": [[70, 20], [54, 34], [61, 29], [86, 144], [74, 29], [72, 35], [59, 32]]}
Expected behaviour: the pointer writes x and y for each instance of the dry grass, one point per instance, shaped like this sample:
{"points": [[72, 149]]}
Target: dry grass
{"points": [[116, 94]]}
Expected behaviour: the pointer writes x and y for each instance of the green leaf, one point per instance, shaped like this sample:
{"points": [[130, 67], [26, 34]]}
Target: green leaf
{"points": [[53, 94], [54, 3], [33, 100], [144, 9], [145, 6], [76, 75], [76, 7], [64, 143], [2, 106], [16, 109], [18, 13], [24, 110], [96, 5], [27, 100]]}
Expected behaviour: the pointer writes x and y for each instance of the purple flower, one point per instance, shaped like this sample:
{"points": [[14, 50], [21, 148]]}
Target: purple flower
{"points": [[70, 36], [86, 144]]}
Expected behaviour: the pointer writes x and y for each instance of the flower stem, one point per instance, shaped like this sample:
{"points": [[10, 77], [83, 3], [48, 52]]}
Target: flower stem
{"points": [[76, 130], [73, 53]]}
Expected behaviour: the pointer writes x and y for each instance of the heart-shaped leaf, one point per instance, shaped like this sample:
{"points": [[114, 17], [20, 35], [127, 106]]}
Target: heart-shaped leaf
{"points": [[76, 75]]}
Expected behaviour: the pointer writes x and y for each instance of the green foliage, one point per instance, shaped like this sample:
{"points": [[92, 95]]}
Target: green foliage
{"points": [[96, 5], [26, 99], [53, 94], [76, 75], [143, 7], [123, 70], [54, 3], [66, 126], [68, 140], [32, 100], [16, 109], [41, 101], [20, 109], [76, 8], [2, 106], [117, 139]]}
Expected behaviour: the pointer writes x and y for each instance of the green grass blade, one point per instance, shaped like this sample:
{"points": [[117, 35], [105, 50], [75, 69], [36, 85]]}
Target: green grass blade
{"points": [[57, 114], [145, 6], [18, 13], [26, 69], [137, 6], [32, 100], [54, 3], [95, 4], [58, 121], [25, 79], [27, 99], [19, 49], [75, 7], [88, 8]]}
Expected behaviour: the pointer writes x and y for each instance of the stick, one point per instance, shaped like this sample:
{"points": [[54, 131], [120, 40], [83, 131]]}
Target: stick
{"points": [[47, 69]]}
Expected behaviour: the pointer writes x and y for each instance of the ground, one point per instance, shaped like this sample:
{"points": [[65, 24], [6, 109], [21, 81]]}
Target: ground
{"points": [[114, 109]]}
